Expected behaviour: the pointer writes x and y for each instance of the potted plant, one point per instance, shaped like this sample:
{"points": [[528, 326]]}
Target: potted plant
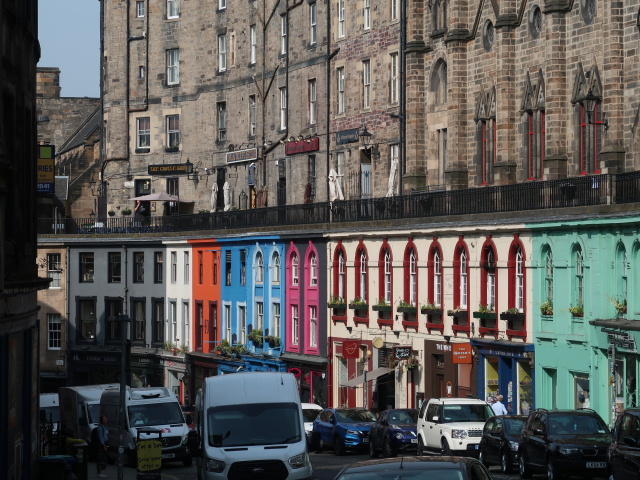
{"points": [[577, 311], [457, 311], [620, 304], [224, 348], [272, 340], [184, 349], [238, 350], [405, 307], [111, 213], [358, 304], [430, 309], [126, 211], [511, 315], [412, 363], [337, 302], [546, 308], [485, 312], [382, 306], [256, 337]]}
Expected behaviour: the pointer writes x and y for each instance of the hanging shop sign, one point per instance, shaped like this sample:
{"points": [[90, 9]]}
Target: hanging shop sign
{"points": [[351, 349], [348, 136], [170, 169], [462, 353], [246, 155], [302, 146], [401, 353]]}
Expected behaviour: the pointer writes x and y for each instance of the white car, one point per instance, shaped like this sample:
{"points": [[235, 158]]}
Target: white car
{"points": [[309, 412]]}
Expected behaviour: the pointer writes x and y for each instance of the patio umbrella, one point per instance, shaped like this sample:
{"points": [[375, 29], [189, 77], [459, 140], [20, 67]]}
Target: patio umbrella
{"points": [[157, 197]]}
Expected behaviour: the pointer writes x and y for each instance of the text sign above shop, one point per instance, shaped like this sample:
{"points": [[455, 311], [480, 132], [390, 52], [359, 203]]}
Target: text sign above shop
{"points": [[170, 169], [401, 353], [242, 155], [347, 136], [351, 349], [302, 146], [45, 169], [461, 353]]}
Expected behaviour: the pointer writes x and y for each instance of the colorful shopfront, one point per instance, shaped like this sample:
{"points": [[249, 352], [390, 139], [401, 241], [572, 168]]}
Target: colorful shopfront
{"points": [[506, 368]]}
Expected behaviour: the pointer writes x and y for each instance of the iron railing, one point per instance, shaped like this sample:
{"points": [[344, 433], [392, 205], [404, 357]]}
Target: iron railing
{"points": [[540, 195]]}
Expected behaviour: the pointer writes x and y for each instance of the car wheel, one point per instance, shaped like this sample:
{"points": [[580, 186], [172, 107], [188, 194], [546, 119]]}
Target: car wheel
{"points": [[372, 450], [481, 458], [338, 446], [420, 449], [387, 449], [187, 461], [551, 470], [525, 471], [445, 450], [505, 463]]}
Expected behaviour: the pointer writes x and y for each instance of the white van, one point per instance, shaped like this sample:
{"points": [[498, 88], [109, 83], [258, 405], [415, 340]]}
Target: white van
{"points": [[156, 408], [49, 410], [250, 424], [80, 409]]}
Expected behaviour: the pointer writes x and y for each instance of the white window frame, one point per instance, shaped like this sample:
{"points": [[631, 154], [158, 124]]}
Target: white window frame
{"points": [[187, 270], [275, 275], [173, 8], [276, 320], [253, 39], [259, 268], [413, 278], [140, 9], [54, 331], [173, 131], [283, 108], [366, 84], [464, 281], [341, 25], [341, 275], [313, 24], [363, 275], [173, 66], [519, 280], [222, 52], [143, 135], [295, 270], [222, 4], [313, 270], [313, 326], [283, 35], [312, 101], [242, 323], [252, 115], [227, 322], [437, 278], [394, 78], [387, 277], [259, 315], [295, 324], [394, 10], [341, 93], [366, 13], [53, 269], [579, 277], [221, 110]]}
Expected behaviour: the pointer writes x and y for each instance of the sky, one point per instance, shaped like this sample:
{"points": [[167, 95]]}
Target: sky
{"points": [[69, 35]]}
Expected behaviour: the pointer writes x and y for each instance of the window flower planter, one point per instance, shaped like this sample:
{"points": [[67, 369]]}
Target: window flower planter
{"points": [[515, 324], [359, 306], [485, 315], [338, 306], [382, 308], [408, 310], [460, 321], [432, 312]]}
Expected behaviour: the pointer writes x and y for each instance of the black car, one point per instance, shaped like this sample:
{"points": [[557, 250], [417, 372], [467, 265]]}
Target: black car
{"points": [[564, 442], [624, 451], [499, 442], [409, 468], [395, 431]]}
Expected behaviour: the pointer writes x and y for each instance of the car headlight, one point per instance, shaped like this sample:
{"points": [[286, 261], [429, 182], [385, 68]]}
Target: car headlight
{"points": [[299, 461], [513, 445], [184, 439], [458, 434], [215, 466], [354, 432], [568, 451], [399, 435]]}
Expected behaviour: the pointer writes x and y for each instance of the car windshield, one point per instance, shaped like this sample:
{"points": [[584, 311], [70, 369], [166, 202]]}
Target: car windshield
{"points": [[466, 413], [152, 414], [513, 427], [310, 414], [94, 412], [349, 416], [431, 473], [576, 425], [403, 417], [254, 424]]}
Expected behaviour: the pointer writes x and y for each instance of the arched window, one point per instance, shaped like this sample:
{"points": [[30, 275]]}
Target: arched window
{"points": [[485, 119], [464, 280], [622, 270], [439, 85], [548, 276], [275, 273], [313, 270], [259, 268], [519, 279], [437, 279], [461, 277], [361, 272], [387, 276], [578, 277], [488, 277], [295, 269], [342, 272], [515, 276], [411, 277], [385, 273], [339, 274]]}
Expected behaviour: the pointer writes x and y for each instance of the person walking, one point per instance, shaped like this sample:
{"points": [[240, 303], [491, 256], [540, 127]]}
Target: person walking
{"points": [[498, 407], [103, 437]]}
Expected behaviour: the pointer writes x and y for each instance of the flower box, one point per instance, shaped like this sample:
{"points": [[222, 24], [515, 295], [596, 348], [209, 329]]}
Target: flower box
{"points": [[338, 306], [382, 308], [431, 312], [485, 315], [409, 310], [359, 306]]}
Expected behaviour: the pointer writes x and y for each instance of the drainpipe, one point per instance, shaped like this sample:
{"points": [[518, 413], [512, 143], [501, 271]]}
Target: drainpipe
{"points": [[403, 94]]}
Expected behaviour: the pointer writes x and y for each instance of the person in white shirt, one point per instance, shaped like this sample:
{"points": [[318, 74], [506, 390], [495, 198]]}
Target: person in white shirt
{"points": [[498, 407]]}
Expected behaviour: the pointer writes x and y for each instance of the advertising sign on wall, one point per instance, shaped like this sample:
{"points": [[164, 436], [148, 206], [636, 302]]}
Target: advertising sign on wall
{"points": [[45, 176]]}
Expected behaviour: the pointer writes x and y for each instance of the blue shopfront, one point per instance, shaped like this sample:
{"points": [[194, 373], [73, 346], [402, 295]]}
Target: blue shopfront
{"points": [[506, 368]]}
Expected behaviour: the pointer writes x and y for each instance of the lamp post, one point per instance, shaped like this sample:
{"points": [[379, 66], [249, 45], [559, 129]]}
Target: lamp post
{"points": [[590, 104], [125, 347]]}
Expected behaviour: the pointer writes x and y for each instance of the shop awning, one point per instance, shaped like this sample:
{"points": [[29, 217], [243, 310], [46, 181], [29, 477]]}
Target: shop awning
{"points": [[372, 375], [621, 323]]}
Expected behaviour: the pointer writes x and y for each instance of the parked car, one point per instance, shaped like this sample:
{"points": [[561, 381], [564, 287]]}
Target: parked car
{"points": [[499, 442], [564, 442], [395, 431], [623, 457], [409, 468], [343, 429], [310, 412]]}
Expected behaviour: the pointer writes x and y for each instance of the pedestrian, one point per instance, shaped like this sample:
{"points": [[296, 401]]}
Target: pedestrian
{"points": [[498, 407], [103, 437], [139, 210]]}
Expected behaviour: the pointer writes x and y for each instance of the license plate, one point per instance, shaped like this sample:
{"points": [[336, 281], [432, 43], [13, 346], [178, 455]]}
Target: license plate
{"points": [[414, 440], [596, 465], [365, 440], [168, 455]]}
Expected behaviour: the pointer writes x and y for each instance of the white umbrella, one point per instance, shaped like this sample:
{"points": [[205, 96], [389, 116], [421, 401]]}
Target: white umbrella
{"points": [[335, 191], [157, 197], [214, 197]]}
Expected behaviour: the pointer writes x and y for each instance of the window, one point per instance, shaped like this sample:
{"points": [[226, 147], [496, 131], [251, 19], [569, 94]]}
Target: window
{"points": [[53, 269], [157, 319], [366, 84], [439, 14], [488, 149], [141, 72], [158, 268], [187, 269], [442, 139], [242, 322], [283, 34], [115, 267], [213, 320], [488, 297], [86, 314], [113, 309], [439, 83], [259, 268], [86, 267], [387, 276], [222, 121], [276, 320], [312, 176], [394, 9], [138, 267], [139, 9], [313, 326], [173, 66], [173, 315], [464, 280], [342, 276], [143, 135], [341, 94], [252, 115], [313, 21], [578, 281], [139, 319], [173, 131], [535, 144], [341, 30], [360, 267], [227, 319], [393, 97], [295, 325], [222, 4], [200, 268], [215, 268], [283, 108], [590, 137], [367, 14], [174, 267], [519, 287], [259, 315], [275, 276], [460, 277], [54, 331], [548, 275], [413, 278], [173, 8], [199, 326], [253, 38], [227, 267], [243, 267], [222, 53], [295, 270], [437, 278], [312, 101], [313, 270], [622, 290]]}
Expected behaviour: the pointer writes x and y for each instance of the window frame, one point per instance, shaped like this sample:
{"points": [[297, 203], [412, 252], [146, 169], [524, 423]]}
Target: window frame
{"points": [[341, 19], [284, 30], [222, 52], [313, 23], [54, 335], [366, 84], [221, 121], [87, 267], [173, 66], [173, 9], [341, 91], [143, 135], [394, 80], [366, 15], [173, 131], [312, 101], [140, 12], [138, 267], [253, 42], [158, 267], [54, 272]]}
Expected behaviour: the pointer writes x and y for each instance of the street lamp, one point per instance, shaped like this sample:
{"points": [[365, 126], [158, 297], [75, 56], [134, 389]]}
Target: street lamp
{"points": [[590, 103]]}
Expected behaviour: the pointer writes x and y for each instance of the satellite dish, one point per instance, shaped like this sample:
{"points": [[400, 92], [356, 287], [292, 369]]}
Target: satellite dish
{"points": [[378, 342]]}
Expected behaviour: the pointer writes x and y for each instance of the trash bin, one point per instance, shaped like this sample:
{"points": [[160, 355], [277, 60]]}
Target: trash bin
{"points": [[81, 452], [56, 467]]}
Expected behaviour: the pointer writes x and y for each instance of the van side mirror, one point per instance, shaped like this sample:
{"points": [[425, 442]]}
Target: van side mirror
{"points": [[193, 443], [630, 442]]}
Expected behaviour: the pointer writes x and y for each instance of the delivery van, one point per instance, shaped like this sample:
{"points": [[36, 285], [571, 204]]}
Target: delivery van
{"points": [[151, 407], [248, 423], [80, 409], [50, 410]]}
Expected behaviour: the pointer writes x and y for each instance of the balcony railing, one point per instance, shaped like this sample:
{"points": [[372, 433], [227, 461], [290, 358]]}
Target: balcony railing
{"points": [[541, 195]]}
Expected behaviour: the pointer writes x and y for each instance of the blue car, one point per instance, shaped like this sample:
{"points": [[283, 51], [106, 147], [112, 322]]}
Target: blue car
{"points": [[343, 429], [395, 431]]}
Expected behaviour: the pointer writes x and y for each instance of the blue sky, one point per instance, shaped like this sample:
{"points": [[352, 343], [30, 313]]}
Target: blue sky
{"points": [[69, 35]]}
